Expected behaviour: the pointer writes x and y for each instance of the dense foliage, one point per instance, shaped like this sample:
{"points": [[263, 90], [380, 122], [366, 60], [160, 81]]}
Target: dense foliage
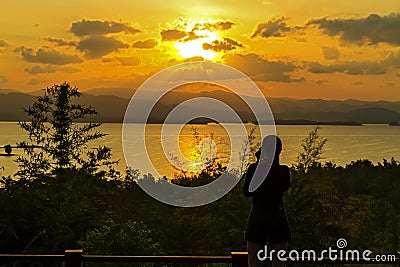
{"points": [[76, 209], [72, 206]]}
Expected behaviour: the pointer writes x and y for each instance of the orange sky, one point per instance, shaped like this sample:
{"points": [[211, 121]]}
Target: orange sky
{"points": [[304, 49]]}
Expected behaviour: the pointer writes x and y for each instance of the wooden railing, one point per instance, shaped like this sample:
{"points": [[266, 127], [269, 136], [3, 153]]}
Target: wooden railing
{"points": [[76, 258]]}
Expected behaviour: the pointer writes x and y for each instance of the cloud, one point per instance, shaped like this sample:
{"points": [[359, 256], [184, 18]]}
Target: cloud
{"points": [[3, 43], [225, 25], [124, 61], [3, 79], [34, 82], [192, 59], [100, 27], [262, 69], [149, 43], [349, 67], [357, 83], [321, 81], [392, 60], [170, 35], [191, 36], [214, 25], [226, 44], [96, 46], [274, 28], [330, 52], [50, 69], [373, 29], [186, 31], [60, 41], [47, 55]]}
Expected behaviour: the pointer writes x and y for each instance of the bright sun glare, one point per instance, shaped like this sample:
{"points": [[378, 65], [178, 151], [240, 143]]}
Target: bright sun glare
{"points": [[194, 48]]}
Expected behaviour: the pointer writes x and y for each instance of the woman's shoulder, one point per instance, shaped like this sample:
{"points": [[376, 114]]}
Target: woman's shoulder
{"points": [[284, 168]]}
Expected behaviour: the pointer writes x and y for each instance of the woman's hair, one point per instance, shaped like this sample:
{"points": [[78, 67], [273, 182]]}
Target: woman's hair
{"points": [[278, 144], [268, 144], [268, 157]]}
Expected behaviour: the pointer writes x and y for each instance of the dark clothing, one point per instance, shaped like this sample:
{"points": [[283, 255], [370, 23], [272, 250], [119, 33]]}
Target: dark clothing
{"points": [[267, 220], [270, 192], [266, 226]]}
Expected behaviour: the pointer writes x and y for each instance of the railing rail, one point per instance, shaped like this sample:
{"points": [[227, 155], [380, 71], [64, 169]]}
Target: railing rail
{"points": [[76, 258]]}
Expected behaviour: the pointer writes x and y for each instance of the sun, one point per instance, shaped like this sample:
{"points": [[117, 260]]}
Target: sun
{"points": [[198, 36], [194, 48]]}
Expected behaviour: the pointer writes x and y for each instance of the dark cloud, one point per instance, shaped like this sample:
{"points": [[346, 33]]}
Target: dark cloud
{"points": [[124, 61], [373, 29], [170, 35], [262, 69], [217, 25], [225, 25], [191, 36], [392, 60], [3, 43], [47, 56], [50, 69], [149, 43], [187, 35], [96, 46], [100, 27], [274, 28], [349, 67], [226, 44], [60, 41], [330, 52]]}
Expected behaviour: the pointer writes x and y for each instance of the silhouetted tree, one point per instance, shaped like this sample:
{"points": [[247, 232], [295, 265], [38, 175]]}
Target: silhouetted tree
{"points": [[61, 143], [313, 146]]}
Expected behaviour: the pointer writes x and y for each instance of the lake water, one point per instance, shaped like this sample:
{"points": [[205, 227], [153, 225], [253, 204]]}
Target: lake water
{"points": [[345, 144]]}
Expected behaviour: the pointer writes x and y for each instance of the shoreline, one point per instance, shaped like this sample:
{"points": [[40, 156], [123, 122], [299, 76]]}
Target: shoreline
{"points": [[277, 122]]}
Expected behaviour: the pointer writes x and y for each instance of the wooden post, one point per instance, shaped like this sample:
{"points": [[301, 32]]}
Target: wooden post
{"points": [[239, 259], [73, 258]]}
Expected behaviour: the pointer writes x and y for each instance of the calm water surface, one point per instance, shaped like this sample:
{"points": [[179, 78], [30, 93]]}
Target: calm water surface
{"points": [[345, 143]]}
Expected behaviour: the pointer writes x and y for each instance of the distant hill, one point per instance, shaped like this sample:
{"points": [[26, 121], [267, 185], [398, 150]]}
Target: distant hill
{"points": [[360, 115], [7, 91], [120, 92], [112, 108], [12, 105]]}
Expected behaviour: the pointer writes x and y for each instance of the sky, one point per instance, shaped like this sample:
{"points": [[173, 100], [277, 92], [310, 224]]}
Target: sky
{"points": [[299, 49]]}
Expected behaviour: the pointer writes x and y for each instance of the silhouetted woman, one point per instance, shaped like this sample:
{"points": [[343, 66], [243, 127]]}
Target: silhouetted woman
{"points": [[267, 222]]}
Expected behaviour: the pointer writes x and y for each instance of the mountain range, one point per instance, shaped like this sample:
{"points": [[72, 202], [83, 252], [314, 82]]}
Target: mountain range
{"points": [[111, 103]]}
